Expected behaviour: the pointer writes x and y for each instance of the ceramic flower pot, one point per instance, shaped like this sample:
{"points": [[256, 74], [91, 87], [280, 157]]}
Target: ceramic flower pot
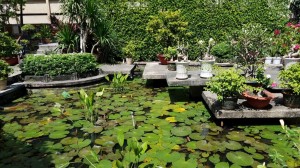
{"points": [[229, 103], [181, 70], [129, 61], [206, 68], [277, 60], [268, 60], [162, 59], [258, 102], [290, 61], [291, 100]]}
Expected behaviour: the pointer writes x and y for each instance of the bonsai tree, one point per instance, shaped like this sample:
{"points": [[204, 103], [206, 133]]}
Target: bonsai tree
{"points": [[290, 80], [206, 48], [222, 51], [4, 71], [131, 49], [249, 44], [8, 46], [167, 27], [227, 84]]}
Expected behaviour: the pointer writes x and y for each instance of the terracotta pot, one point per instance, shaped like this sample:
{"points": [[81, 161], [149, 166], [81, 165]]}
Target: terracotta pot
{"points": [[3, 84], [12, 60], [162, 59], [256, 101], [291, 100]]}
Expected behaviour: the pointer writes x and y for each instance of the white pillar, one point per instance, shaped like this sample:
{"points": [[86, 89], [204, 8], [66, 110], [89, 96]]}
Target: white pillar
{"points": [[49, 10]]}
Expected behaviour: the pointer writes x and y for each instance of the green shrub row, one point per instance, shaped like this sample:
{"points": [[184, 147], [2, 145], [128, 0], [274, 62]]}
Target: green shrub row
{"points": [[206, 18], [58, 64]]}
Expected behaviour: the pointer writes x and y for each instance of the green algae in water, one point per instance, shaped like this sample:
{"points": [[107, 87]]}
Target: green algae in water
{"points": [[183, 142]]}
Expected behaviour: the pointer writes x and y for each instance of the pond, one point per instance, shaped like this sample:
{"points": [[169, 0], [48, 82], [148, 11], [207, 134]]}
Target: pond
{"points": [[48, 128]]}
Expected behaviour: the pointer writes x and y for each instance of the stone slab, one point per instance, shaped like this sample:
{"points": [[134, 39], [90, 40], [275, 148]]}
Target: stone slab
{"points": [[154, 70], [118, 68], [12, 93], [275, 110], [66, 83], [193, 80]]}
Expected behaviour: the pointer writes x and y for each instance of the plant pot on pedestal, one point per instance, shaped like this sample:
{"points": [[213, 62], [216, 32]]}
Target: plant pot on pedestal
{"points": [[229, 103], [206, 68], [277, 60], [268, 60], [258, 102], [163, 60], [290, 61], [181, 70]]}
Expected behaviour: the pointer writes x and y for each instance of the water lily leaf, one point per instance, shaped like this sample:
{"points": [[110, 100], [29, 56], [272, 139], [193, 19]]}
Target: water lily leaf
{"points": [[236, 166], [106, 141], [81, 143], [31, 134], [61, 161], [69, 140], [192, 145], [114, 116], [81, 123], [180, 163], [104, 164], [232, 145], [58, 134], [236, 136], [258, 156], [179, 110], [250, 150], [215, 158], [196, 136], [206, 146], [171, 119], [240, 158], [198, 128], [139, 118], [222, 165], [11, 127], [181, 131], [166, 156], [93, 129], [146, 127], [137, 133]]}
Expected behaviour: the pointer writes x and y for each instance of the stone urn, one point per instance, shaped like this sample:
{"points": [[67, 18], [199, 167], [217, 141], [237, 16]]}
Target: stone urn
{"points": [[206, 68], [277, 60], [268, 60], [181, 71]]}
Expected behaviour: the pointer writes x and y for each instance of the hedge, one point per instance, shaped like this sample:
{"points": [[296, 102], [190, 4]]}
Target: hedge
{"points": [[207, 18], [58, 64]]}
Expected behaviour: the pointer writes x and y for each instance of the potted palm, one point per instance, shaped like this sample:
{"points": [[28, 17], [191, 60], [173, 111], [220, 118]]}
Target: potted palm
{"points": [[4, 71], [9, 49], [290, 81], [228, 85], [167, 27]]}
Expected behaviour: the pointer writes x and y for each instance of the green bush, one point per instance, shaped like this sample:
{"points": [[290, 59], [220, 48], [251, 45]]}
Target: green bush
{"points": [[8, 46], [222, 50], [58, 64], [4, 70]]}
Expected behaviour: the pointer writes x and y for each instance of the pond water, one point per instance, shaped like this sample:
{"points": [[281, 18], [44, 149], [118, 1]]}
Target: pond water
{"points": [[45, 129]]}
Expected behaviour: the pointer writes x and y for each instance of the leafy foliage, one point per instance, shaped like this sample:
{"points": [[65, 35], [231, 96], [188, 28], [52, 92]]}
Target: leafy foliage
{"points": [[58, 64], [118, 81], [290, 78], [9, 9], [67, 39], [222, 50], [4, 70], [227, 83], [8, 46]]}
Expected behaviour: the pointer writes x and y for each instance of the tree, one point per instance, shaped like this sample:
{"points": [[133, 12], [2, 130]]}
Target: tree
{"points": [[85, 13], [9, 9]]}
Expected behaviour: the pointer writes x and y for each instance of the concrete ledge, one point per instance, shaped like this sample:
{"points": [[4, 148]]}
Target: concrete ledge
{"points": [[12, 93], [117, 68], [193, 80], [275, 110], [154, 70], [65, 83]]}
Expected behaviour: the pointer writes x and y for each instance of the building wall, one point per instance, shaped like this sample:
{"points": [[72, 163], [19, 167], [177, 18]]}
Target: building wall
{"points": [[39, 11]]}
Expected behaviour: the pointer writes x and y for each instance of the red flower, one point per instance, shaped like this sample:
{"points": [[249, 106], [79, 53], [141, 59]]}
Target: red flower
{"points": [[289, 24], [276, 32], [296, 47]]}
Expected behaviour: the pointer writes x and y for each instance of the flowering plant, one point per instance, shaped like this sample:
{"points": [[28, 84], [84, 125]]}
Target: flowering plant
{"points": [[205, 48]]}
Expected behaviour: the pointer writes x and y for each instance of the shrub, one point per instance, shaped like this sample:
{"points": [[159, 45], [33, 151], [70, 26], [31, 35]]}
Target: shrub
{"points": [[58, 64], [4, 70], [290, 78], [8, 46], [222, 50]]}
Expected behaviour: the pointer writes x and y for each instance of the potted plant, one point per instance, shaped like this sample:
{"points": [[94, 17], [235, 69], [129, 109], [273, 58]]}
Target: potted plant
{"points": [[169, 54], [249, 43], [45, 34], [4, 71], [222, 52], [256, 96], [228, 85], [206, 59], [167, 27], [290, 81], [130, 51], [9, 49]]}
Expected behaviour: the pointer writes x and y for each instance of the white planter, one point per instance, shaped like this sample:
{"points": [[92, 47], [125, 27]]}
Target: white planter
{"points": [[277, 60], [268, 60], [129, 61], [206, 68], [205, 74], [290, 61], [3, 84], [181, 70]]}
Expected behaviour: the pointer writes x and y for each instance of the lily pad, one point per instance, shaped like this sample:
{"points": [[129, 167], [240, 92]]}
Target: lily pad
{"points": [[180, 163], [69, 140], [215, 158], [192, 145], [58, 134], [81, 143], [232, 145], [93, 129], [206, 146], [236, 136], [222, 165], [181, 131], [196, 136], [240, 158], [166, 156], [147, 127]]}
